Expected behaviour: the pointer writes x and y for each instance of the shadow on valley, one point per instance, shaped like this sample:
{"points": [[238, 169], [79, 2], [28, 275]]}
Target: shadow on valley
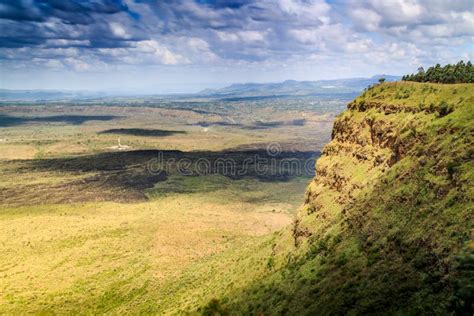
{"points": [[126, 176], [141, 132], [274, 124], [217, 123], [254, 126], [7, 120]]}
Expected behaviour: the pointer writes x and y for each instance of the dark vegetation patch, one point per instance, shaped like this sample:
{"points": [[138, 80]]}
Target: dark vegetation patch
{"points": [[273, 124], [125, 176], [192, 109], [218, 123], [141, 132], [256, 125], [7, 120], [226, 163], [254, 98], [119, 186]]}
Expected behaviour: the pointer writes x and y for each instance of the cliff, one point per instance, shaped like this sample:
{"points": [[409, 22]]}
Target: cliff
{"points": [[393, 198], [387, 222]]}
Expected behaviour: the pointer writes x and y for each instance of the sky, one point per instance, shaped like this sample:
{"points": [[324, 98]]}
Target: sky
{"points": [[159, 46]]}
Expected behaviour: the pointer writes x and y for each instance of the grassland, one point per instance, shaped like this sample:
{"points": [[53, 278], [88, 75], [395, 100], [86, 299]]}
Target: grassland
{"points": [[88, 229], [105, 257]]}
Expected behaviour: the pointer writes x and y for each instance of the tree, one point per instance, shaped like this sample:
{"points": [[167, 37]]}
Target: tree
{"points": [[456, 73], [381, 80]]}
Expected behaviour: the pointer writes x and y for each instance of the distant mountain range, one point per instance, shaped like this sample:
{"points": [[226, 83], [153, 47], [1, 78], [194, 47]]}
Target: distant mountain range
{"points": [[46, 95], [286, 88], [297, 88]]}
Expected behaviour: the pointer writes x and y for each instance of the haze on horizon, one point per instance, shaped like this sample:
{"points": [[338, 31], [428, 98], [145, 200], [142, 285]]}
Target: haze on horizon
{"points": [[186, 46]]}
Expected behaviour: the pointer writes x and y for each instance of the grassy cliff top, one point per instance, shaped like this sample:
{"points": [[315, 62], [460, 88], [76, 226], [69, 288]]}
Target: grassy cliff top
{"points": [[415, 96]]}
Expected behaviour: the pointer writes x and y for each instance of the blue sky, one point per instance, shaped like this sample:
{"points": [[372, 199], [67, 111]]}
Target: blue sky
{"points": [[180, 46]]}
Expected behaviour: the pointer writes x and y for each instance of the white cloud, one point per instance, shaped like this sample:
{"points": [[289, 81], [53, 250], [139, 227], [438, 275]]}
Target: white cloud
{"points": [[396, 35], [118, 30], [332, 38], [198, 44], [67, 43], [396, 12], [242, 36], [251, 36], [197, 50], [414, 20], [57, 52], [77, 64], [359, 46], [227, 37], [49, 63], [54, 64], [368, 19], [313, 10], [159, 52]]}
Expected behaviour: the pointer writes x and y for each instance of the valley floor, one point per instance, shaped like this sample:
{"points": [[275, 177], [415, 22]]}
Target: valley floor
{"points": [[86, 228], [110, 256]]}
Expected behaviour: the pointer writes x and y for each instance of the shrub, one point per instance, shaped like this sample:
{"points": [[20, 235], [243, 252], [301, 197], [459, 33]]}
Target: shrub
{"points": [[270, 263], [213, 308], [451, 167], [444, 109]]}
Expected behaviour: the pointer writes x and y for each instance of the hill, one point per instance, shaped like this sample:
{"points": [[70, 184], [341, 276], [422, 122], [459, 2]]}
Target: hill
{"points": [[241, 90], [386, 224], [46, 95], [298, 88]]}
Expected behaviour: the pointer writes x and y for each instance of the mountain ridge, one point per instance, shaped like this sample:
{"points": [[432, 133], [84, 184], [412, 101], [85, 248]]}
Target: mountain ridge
{"points": [[284, 88], [298, 88]]}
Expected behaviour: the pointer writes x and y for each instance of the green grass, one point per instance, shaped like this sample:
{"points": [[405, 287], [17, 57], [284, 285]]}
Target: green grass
{"points": [[286, 196], [110, 257]]}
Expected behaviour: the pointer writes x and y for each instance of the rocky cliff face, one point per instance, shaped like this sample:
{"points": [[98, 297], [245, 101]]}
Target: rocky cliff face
{"points": [[394, 189], [379, 129]]}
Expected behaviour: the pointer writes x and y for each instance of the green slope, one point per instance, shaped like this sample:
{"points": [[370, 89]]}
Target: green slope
{"points": [[387, 224]]}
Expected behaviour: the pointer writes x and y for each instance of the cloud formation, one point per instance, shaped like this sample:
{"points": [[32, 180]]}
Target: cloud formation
{"points": [[337, 38]]}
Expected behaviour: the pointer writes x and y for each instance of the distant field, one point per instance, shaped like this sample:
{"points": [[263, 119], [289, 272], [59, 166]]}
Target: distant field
{"points": [[89, 225]]}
